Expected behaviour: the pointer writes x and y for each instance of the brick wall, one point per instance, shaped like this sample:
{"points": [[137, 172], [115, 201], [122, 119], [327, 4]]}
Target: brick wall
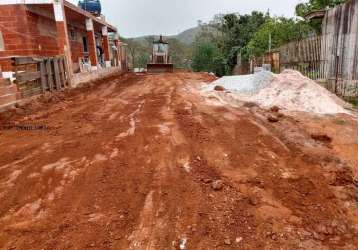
{"points": [[92, 47], [76, 43], [14, 28], [44, 30], [26, 34]]}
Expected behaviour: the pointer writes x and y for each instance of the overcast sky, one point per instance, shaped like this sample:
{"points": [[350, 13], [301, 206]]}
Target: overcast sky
{"points": [[169, 17]]}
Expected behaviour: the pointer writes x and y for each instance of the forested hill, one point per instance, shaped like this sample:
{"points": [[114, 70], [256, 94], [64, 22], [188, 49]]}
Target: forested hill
{"points": [[186, 37]]}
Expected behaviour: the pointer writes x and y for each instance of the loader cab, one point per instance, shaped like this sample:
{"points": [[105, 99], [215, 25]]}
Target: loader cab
{"points": [[160, 58], [160, 51]]}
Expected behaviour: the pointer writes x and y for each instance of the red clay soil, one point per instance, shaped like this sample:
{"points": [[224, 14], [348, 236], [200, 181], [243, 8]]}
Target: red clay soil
{"points": [[144, 162]]}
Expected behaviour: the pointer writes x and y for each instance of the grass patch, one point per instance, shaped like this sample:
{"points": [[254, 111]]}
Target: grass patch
{"points": [[353, 101], [340, 122]]}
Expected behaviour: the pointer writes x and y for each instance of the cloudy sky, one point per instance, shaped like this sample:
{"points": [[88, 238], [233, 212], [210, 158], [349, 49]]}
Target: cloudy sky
{"points": [[146, 17]]}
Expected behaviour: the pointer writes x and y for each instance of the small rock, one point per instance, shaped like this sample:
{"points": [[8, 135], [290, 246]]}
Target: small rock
{"points": [[273, 237], [227, 241], [323, 229], [238, 239], [207, 181], [217, 185], [250, 104], [219, 88], [317, 236], [336, 239], [304, 234], [272, 119], [253, 201], [342, 228], [280, 115], [275, 109], [321, 137]]}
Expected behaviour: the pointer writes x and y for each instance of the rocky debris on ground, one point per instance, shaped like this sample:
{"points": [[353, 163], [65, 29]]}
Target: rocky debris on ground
{"points": [[238, 239], [207, 180], [275, 109], [280, 188], [219, 88], [254, 201], [321, 137], [227, 241], [217, 185], [250, 104], [273, 119]]}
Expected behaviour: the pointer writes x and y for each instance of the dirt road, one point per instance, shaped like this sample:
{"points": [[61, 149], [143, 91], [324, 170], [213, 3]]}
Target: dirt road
{"points": [[144, 162]]}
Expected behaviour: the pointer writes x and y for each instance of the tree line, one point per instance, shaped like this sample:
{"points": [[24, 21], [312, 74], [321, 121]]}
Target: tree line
{"points": [[252, 35], [217, 46]]}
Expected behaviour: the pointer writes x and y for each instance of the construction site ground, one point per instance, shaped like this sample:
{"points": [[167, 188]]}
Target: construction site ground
{"points": [[142, 161]]}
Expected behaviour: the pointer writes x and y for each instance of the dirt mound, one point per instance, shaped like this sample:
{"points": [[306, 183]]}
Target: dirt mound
{"points": [[293, 91]]}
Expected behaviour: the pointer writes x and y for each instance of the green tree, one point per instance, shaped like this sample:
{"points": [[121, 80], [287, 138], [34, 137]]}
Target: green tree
{"points": [[238, 30], [138, 53], [207, 57], [276, 32], [180, 53], [303, 9]]}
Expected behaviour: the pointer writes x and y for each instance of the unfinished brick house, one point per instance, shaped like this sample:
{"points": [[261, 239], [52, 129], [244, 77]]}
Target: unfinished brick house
{"points": [[46, 28]]}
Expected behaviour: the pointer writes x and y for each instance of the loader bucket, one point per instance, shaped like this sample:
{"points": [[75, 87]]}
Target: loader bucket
{"points": [[160, 68]]}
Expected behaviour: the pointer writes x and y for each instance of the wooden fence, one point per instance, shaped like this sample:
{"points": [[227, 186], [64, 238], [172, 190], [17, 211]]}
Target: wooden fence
{"points": [[37, 75], [332, 57], [320, 59], [340, 48], [304, 56], [324, 60]]}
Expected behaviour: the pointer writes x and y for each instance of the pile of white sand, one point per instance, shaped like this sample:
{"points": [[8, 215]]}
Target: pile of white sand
{"points": [[246, 84], [289, 90]]}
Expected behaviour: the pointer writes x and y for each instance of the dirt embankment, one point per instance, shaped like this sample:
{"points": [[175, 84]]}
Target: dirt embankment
{"points": [[143, 162]]}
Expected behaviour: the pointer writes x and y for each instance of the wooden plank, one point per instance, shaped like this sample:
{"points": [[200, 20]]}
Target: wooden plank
{"points": [[16, 61], [66, 71], [49, 74], [44, 84], [62, 72], [27, 76], [56, 73]]}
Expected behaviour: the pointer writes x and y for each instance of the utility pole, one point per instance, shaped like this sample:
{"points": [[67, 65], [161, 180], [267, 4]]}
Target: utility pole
{"points": [[270, 42]]}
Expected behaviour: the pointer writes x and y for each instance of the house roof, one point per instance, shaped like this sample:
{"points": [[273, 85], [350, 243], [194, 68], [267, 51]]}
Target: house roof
{"points": [[77, 9], [316, 14]]}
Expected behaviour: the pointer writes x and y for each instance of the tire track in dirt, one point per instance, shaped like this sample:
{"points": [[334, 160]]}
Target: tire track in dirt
{"points": [[142, 162]]}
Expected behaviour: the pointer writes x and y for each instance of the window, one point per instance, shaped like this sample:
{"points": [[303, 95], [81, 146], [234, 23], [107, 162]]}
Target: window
{"points": [[85, 44], [2, 45], [73, 35]]}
